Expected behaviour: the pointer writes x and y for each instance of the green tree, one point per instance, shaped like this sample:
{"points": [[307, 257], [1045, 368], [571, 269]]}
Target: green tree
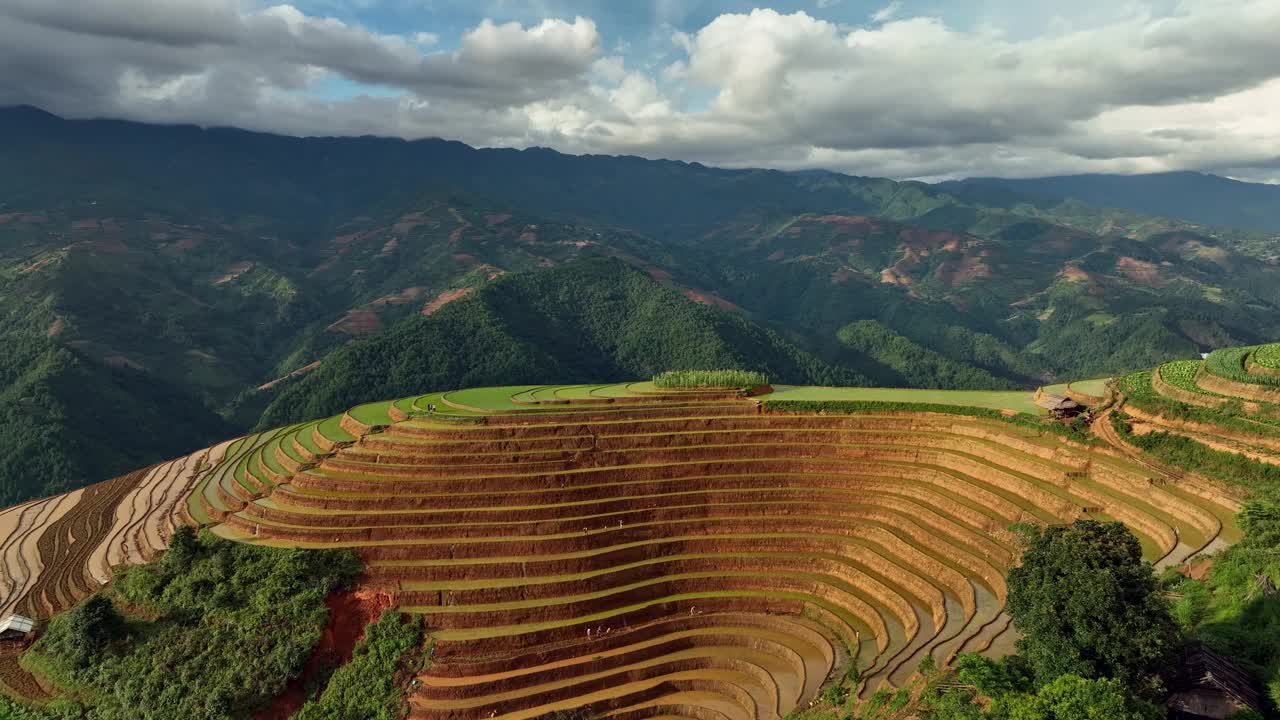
{"points": [[1088, 605], [1071, 697], [90, 628], [183, 548]]}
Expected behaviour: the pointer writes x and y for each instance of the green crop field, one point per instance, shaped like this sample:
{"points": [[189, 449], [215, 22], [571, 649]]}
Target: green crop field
{"points": [[1268, 356], [1015, 400], [1182, 374], [1229, 363], [695, 379]]}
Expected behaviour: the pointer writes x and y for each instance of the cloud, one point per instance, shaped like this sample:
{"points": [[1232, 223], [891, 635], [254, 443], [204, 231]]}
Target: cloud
{"points": [[1195, 87], [887, 13]]}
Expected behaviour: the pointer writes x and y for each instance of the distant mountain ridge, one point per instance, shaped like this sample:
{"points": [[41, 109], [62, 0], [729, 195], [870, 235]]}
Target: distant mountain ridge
{"points": [[1193, 196], [216, 261]]}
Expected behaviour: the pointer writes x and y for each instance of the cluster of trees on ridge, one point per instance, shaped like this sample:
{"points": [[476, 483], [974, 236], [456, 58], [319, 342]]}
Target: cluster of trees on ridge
{"points": [[214, 629], [1100, 638], [593, 321]]}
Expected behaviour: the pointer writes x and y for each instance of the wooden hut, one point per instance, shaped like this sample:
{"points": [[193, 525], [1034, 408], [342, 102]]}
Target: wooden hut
{"points": [[1209, 686], [15, 627], [1059, 406]]}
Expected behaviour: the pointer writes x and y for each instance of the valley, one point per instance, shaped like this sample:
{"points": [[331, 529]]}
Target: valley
{"points": [[231, 299]]}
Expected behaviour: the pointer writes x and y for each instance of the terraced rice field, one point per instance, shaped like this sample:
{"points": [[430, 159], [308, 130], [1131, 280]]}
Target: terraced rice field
{"points": [[58, 550], [641, 553], [1223, 402]]}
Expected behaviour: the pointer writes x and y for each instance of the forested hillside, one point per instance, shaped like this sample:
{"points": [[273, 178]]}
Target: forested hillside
{"points": [[192, 273], [593, 321]]}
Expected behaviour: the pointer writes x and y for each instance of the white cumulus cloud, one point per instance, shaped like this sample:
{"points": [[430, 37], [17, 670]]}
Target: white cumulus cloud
{"points": [[1151, 86]]}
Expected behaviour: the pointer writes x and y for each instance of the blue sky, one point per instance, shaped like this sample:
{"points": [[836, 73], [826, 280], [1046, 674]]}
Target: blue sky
{"points": [[899, 88]]}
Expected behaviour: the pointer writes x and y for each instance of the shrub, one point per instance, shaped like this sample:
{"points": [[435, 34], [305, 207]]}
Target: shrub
{"points": [[226, 626], [1139, 392], [369, 685], [694, 379], [1231, 468]]}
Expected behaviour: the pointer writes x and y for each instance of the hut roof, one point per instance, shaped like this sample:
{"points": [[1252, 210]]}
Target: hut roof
{"points": [[1056, 402], [1204, 669], [17, 623]]}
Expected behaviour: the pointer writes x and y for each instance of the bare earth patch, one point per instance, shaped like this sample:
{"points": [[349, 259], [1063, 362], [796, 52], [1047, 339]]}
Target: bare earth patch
{"points": [[55, 328], [1140, 271], [704, 297], [463, 224], [445, 298], [357, 322], [349, 612], [405, 297], [296, 373], [233, 272]]}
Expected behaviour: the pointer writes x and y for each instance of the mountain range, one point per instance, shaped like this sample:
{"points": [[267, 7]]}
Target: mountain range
{"points": [[193, 283]]}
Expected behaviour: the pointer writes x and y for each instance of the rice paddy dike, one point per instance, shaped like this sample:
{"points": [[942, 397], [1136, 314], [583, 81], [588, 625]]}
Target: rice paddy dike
{"points": [[637, 552]]}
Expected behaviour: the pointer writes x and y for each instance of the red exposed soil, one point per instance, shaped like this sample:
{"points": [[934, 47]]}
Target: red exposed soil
{"points": [[925, 242], [389, 248], [658, 274], [407, 223], [55, 328], [1198, 569], [496, 219], [88, 224], [6, 217], [360, 321], [528, 238], [463, 225], [1140, 271], [405, 297], [970, 267], [849, 220], [704, 297], [234, 271], [891, 276], [445, 298], [296, 373], [349, 612], [777, 255], [1075, 274]]}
